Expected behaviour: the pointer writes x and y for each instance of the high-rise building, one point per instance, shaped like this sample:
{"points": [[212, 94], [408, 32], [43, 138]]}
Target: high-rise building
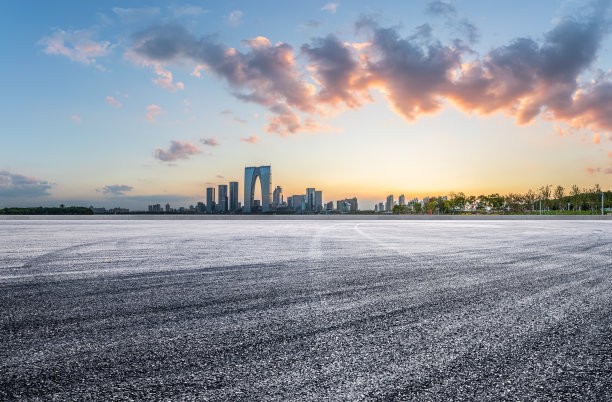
{"points": [[318, 204], [277, 197], [381, 207], [265, 179], [210, 200], [310, 199], [299, 202], [353, 203], [223, 199], [167, 207], [329, 206], [389, 204], [233, 196], [402, 200]]}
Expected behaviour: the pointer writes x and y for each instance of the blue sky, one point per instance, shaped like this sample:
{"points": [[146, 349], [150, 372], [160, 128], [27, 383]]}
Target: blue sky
{"points": [[132, 103]]}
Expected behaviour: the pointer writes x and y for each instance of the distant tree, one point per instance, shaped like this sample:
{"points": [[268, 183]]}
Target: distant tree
{"points": [[431, 206], [544, 193], [496, 202], [575, 193], [559, 194], [530, 198], [458, 201], [482, 203], [416, 206]]}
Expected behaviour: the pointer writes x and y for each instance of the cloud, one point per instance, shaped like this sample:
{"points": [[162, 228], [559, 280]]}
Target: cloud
{"points": [[188, 10], [211, 142], [526, 79], [112, 101], [336, 71], [331, 7], [17, 185], [414, 77], [77, 119], [220, 177], [197, 69], [239, 120], [608, 171], [117, 189], [136, 14], [266, 74], [153, 111], [177, 150], [252, 139], [77, 46], [164, 79], [235, 17], [609, 154], [596, 138], [441, 8], [592, 170], [418, 74]]}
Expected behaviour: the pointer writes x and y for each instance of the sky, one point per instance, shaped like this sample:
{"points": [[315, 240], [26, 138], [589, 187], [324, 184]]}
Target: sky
{"points": [[140, 102]]}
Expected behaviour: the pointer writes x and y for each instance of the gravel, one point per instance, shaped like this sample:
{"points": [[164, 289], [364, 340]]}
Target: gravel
{"points": [[306, 310]]}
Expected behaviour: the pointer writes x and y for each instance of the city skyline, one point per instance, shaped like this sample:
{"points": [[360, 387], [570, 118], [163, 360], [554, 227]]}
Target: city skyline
{"points": [[153, 102]]}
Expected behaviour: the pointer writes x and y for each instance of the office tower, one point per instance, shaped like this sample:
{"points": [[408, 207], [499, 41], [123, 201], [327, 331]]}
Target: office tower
{"points": [[299, 202], [389, 204], [381, 207], [375, 208], [277, 197], [167, 207], [310, 199], [265, 179], [318, 204], [233, 196], [210, 200], [290, 202], [223, 199], [329, 206], [402, 200], [338, 205]]}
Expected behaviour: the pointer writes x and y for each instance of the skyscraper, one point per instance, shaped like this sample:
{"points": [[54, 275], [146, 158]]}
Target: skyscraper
{"points": [[251, 174], [318, 204], [210, 200], [310, 199], [233, 196], [223, 199], [277, 197], [402, 200], [389, 204]]}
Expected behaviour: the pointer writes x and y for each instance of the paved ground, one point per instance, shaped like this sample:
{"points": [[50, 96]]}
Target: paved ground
{"points": [[306, 310]]}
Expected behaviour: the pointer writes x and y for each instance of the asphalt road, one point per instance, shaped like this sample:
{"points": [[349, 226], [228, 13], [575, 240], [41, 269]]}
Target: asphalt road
{"points": [[255, 310]]}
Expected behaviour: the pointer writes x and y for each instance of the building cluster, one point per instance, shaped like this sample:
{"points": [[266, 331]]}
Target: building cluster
{"points": [[218, 200]]}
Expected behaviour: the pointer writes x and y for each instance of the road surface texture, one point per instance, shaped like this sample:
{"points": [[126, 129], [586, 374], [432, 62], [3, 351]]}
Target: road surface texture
{"points": [[306, 310]]}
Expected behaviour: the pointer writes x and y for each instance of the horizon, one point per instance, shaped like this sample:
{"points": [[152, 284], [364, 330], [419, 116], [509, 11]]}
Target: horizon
{"points": [[125, 106]]}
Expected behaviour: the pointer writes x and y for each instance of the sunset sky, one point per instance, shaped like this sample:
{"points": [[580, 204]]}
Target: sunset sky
{"points": [[151, 102]]}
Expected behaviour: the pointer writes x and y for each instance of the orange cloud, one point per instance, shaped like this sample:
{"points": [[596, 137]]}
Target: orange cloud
{"points": [[252, 139]]}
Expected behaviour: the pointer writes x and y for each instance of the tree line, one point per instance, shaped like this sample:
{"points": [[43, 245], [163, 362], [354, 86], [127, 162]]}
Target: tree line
{"points": [[548, 199], [47, 211]]}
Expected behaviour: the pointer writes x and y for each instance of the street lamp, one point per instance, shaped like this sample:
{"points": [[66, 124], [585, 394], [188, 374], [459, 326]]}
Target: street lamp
{"points": [[602, 202]]}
